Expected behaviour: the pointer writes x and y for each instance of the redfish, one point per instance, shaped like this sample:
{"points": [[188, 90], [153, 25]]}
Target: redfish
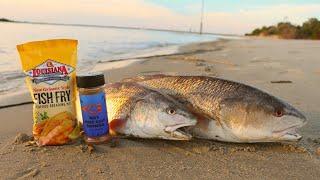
{"points": [[229, 111], [138, 111]]}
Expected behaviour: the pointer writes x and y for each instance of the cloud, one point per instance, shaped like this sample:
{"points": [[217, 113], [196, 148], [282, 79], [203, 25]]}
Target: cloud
{"points": [[110, 12], [139, 13], [244, 21]]}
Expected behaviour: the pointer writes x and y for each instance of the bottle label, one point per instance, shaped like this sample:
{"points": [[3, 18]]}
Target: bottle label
{"points": [[94, 114]]}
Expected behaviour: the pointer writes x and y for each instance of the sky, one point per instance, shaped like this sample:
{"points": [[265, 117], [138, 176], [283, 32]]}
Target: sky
{"points": [[227, 16]]}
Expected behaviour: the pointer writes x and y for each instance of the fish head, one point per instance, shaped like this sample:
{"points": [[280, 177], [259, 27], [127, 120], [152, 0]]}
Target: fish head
{"points": [[261, 118], [159, 116]]}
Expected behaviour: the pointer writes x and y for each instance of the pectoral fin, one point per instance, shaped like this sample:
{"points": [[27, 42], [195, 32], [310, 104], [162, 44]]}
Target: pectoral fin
{"points": [[116, 125]]}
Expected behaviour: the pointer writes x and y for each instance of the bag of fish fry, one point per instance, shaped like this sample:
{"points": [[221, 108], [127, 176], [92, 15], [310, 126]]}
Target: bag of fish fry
{"points": [[50, 67]]}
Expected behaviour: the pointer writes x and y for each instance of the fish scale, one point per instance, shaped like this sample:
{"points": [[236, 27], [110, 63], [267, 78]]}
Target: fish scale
{"points": [[119, 97], [229, 111], [195, 89]]}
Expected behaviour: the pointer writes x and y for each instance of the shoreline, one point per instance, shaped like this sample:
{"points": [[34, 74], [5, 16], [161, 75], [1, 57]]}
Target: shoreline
{"points": [[251, 61], [7, 98]]}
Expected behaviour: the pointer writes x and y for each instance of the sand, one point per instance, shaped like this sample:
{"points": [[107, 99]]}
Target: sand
{"points": [[293, 64]]}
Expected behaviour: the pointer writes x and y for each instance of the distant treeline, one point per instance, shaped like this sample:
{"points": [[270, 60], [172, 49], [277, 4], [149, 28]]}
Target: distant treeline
{"points": [[5, 20], [309, 30]]}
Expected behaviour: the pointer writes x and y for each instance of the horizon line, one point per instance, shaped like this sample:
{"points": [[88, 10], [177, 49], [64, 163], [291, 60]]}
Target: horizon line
{"points": [[117, 27]]}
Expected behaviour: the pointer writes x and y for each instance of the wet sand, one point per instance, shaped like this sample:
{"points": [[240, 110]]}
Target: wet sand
{"points": [[294, 65]]}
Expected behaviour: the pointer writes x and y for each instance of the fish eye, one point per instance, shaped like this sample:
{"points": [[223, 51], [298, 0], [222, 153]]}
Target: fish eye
{"points": [[171, 111], [278, 113]]}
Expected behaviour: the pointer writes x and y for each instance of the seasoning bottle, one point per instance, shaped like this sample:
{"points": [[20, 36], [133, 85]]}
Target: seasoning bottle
{"points": [[93, 107]]}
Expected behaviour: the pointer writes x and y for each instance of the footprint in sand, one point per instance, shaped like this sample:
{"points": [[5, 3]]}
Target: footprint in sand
{"points": [[29, 173]]}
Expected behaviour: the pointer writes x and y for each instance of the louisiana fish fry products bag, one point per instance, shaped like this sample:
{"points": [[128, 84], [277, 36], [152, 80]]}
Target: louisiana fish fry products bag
{"points": [[50, 69]]}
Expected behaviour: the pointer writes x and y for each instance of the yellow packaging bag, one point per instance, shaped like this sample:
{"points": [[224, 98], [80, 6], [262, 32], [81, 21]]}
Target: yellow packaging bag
{"points": [[50, 69]]}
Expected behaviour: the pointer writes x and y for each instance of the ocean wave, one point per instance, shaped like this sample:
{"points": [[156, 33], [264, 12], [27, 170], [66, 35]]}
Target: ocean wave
{"points": [[10, 75], [3, 51], [146, 52]]}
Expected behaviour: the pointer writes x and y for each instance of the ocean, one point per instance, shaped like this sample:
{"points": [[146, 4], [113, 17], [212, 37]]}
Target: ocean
{"points": [[95, 44]]}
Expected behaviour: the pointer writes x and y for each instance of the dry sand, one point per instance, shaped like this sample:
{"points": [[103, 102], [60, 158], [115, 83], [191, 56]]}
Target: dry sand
{"points": [[258, 62]]}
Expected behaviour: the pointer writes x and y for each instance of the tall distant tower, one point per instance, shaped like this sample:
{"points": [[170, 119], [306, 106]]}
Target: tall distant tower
{"points": [[201, 20]]}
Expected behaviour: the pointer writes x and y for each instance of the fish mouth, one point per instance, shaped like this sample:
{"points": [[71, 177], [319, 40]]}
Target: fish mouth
{"points": [[288, 134], [179, 131]]}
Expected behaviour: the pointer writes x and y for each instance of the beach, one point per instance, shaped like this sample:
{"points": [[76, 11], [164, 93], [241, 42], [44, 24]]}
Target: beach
{"points": [[288, 69]]}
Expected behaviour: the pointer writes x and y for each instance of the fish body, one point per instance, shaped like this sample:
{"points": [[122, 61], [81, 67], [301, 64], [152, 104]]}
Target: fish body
{"points": [[137, 111], [230, 111]]}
